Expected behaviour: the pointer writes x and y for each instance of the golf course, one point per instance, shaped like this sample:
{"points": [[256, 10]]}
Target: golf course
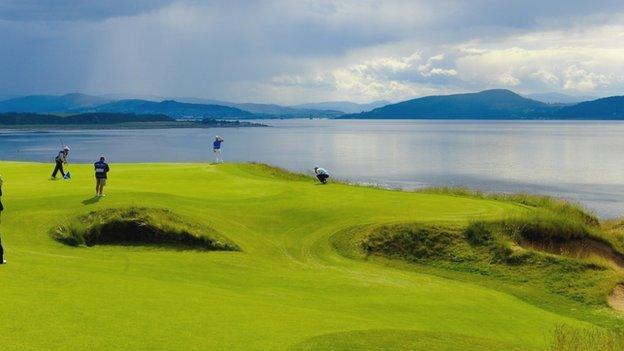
{"points": [[290, 264]]}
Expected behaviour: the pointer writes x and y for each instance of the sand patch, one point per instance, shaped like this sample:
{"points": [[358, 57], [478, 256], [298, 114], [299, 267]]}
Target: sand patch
{"points": [[616, 299]]}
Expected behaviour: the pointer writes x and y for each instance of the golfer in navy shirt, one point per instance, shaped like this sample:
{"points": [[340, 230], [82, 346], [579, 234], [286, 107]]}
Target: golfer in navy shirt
{"points": [[101, 174]]}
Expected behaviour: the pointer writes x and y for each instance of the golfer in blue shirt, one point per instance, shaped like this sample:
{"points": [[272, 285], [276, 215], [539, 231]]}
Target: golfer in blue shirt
{"points": [[216, 148]]}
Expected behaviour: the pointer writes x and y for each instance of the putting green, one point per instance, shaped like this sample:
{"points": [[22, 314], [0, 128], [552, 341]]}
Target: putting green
{"points": [[287, 289]]}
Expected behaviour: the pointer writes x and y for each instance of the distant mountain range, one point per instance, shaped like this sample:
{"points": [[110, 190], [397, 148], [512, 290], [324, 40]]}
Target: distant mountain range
{"points": [[271, 110], [180, 107], [51, 103], [494, 104], [557, 98], [488, 104], [327, 109], [344, 106], [171, 108]]}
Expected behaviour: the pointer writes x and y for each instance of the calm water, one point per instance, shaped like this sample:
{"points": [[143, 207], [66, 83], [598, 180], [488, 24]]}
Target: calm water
{"points": [[576, 160]]}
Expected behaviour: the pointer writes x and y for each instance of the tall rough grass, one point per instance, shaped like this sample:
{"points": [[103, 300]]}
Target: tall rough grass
{"points": [[136, 225], [279, 172], [565, 338], [561, 207], [549, 251], [542, 228], [415, 241]]}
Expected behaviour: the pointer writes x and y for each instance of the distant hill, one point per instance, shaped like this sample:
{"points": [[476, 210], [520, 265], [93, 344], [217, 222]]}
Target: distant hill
{"points": [[270, 110], [7, 97], [13, 118], [105, 120], [173, 108], [557, 98], [488, 104], [605, 108], [344, 106], [51, 103], [121, 96], [72, 103]]}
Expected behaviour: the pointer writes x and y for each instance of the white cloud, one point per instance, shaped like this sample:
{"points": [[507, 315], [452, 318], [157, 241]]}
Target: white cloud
{"points": [[580, 79], [507, 79], [562, 61], [546, 77]]}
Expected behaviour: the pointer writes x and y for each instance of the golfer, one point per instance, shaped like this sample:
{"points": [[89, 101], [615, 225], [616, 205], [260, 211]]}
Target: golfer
{"points": [[321, 174], [2, 260], [101, 174], [216, 148], [60, 159]]}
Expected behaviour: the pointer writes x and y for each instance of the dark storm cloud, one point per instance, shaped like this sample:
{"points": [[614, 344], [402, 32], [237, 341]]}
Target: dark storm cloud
{"points": [[74, 10]]}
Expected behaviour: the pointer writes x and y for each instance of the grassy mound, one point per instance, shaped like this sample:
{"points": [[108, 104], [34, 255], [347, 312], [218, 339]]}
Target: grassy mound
{"points": [[568, 256], [136, 225], [551, 233], [418, 242]]}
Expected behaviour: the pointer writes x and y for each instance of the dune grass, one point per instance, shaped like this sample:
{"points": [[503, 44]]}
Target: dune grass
{"points": [[287, 288], [138, 225], [562, 208], [566, 338], [556, 246], [485, 248]]}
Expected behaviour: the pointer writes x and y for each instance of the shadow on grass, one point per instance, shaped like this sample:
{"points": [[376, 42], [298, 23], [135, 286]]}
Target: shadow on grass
{"points": [[91, 200], [164, 246]]}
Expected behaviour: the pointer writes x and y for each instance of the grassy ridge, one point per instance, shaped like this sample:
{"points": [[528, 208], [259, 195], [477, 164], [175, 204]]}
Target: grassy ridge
{"points": [[556, 247], [138, 225], [287, 288], [477, 250]]}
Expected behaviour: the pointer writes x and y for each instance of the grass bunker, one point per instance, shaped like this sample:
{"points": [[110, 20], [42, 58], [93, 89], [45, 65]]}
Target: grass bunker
{"points": [[139, 226], [562, 254]]}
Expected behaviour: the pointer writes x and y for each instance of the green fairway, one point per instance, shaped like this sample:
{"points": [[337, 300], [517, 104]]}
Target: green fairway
{"points": [[288, 287]]}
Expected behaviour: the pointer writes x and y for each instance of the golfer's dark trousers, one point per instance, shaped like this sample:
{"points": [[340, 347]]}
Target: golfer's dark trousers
{"points": [[58, 168], [322, 178], [1, 251]]}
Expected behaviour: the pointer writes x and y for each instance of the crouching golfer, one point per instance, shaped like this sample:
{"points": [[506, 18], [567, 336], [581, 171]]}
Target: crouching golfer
{"points": [[216, 148], [60, 159], [101, 174], [2, 260], [321, 174]]}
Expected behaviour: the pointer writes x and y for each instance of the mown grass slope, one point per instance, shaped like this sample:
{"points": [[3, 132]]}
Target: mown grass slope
{"points": [[287, 287]]}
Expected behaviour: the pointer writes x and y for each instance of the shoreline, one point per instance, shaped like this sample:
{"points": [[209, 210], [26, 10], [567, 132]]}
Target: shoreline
{"points": [[134, 125]]}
